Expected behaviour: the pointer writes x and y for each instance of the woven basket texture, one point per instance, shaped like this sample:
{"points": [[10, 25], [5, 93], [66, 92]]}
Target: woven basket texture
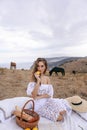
{"points": [[25, 124]]}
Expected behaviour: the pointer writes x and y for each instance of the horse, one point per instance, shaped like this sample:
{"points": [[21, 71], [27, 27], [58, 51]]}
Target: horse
{"points": [[12, 65], [74, 72], [56, 70]]}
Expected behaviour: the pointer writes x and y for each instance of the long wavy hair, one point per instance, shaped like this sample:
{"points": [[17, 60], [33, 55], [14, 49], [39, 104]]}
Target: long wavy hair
{"points": [[35, 67]]}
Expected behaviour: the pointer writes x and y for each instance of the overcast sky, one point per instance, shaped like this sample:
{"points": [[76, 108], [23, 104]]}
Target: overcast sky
{"points": [[42, 28]]}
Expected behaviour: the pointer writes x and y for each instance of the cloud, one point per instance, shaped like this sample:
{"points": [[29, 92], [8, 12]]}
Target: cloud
{"points": [[30, 29]]}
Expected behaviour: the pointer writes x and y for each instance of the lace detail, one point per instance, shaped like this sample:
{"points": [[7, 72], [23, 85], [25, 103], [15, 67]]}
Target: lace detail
{"points": [[44, 89], [51, 108]]}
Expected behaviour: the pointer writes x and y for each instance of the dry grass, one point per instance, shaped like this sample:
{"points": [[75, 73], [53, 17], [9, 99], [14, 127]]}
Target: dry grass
{"points": [[14, 83]]}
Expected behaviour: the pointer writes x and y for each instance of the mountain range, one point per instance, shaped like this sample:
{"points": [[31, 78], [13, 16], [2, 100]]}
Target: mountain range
{"points": [[52, 62]]}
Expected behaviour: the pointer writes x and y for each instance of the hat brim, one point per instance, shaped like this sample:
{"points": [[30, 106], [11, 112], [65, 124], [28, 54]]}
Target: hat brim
{"points": [[80, 107]]}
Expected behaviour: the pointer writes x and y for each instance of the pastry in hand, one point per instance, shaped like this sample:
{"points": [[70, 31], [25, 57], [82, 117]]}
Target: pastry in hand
{"points": [[38, 73]]}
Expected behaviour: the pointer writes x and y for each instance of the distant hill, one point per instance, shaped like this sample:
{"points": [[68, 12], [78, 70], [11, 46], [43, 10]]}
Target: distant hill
{"points": [[58, 61], [79, 65], [68, 63]]}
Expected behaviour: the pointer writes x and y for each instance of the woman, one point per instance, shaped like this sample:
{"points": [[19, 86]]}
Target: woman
{"points": [[41, 90]]}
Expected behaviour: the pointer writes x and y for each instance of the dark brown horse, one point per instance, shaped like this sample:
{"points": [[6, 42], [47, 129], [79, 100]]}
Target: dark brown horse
{"points": [[12, 65], [56, 70]]}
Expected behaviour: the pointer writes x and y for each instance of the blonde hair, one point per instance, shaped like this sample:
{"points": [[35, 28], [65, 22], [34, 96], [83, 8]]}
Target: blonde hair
{"points": [[35, 65]]}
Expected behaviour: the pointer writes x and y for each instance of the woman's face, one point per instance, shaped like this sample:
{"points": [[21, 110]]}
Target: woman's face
{"points": [[41, 67]]}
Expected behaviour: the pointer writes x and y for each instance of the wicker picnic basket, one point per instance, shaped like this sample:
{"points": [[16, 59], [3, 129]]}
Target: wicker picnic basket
{"points": [[25, 124]]}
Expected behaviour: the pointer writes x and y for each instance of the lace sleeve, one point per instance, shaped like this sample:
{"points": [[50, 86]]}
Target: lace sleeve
{"points": [[30, 88]]}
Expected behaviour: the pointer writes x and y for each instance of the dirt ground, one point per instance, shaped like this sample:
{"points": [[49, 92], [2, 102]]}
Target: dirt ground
{"points": [[14, 83]]}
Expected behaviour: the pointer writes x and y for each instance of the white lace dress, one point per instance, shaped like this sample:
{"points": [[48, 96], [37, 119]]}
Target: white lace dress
{"points": [[48, 107]]}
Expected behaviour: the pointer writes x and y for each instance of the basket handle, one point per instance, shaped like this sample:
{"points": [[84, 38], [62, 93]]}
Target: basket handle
{"points": [[25, 105]]}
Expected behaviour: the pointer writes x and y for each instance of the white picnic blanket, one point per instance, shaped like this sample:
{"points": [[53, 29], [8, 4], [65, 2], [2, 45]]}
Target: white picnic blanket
{"points": [[72, 122]]}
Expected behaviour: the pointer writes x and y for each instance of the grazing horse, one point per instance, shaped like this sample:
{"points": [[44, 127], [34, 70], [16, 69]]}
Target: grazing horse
{"points": [[12, 65], [57, 69], [74, 72]]}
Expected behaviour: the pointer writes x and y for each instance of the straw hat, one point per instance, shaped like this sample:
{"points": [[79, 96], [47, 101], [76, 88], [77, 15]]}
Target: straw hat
{"points": [[77, 103]]}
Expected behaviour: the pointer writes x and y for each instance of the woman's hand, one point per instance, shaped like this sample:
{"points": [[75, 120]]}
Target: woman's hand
{"points": [[37, 85], [37, 76]]}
